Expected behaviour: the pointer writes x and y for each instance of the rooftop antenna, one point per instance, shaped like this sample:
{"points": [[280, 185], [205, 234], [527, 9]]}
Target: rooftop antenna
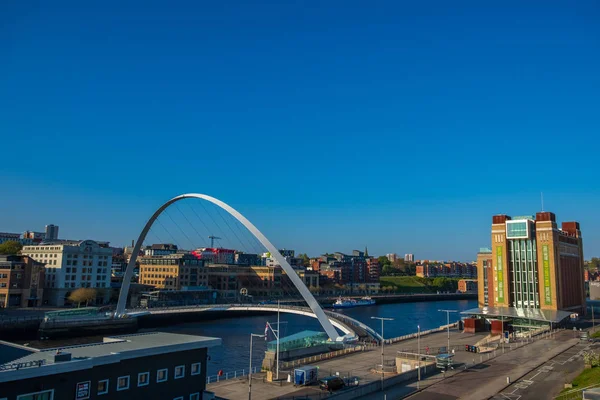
{"points": [[542, 195]]}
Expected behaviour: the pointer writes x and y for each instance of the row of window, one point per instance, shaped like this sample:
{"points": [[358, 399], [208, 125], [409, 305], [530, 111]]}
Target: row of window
{"points": [[143, 378]]}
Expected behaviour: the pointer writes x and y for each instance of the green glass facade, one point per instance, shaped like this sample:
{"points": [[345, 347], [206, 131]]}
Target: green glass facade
{"points": [[523, 271], [516, 230]]}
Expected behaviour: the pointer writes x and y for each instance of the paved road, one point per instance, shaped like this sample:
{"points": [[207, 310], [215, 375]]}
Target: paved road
{"points": [[485, 380], [546, 381]]}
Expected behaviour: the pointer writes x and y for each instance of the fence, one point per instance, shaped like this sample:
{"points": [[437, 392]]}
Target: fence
{"points": [[326, 356], [423, 333], [230, 375]]}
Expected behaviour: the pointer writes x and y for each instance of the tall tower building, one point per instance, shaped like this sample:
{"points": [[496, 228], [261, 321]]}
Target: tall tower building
{"points": [[536, 265], [51, 232]]}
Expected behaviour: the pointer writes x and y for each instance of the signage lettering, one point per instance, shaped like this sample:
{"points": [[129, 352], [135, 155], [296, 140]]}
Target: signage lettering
{"points": [[500, 274]]}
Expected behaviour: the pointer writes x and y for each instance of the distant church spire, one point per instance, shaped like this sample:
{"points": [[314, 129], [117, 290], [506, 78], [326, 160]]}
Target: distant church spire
{"points": [[366, 252]]}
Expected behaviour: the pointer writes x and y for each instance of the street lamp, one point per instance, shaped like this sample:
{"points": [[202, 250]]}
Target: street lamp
{"points": [[382, 345], [448, 326], [252, 335], [419, 355]]}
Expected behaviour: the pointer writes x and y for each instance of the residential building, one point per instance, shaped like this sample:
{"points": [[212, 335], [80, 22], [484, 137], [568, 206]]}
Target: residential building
{"points": [[34, 236], [51, 232], [467, 285], [73, 264], [257, 280], [247, 259], [212, 255], [392, 257], [145, 366], [173, 271], [536, 264], [21, 281], [10, 237], [162, 249], [409, 258], [373, 270], [485, 292]]}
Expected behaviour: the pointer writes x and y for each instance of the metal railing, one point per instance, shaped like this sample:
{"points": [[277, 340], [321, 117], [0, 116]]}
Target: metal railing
{"points": [[326, 356], [230, 375]]}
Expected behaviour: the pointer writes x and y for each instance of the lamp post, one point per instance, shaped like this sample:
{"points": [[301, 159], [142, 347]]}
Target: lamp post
{"points": [[382, 345], [419, 356], [252, 335], [448, 326]]}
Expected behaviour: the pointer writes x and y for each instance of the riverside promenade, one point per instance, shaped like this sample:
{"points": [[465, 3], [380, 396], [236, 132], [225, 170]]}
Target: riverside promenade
{"points": [[360, 365]]}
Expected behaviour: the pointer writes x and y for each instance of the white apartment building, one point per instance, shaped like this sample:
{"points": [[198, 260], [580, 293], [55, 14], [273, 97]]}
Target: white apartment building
{"points": [[71, 265], [409, 258]]}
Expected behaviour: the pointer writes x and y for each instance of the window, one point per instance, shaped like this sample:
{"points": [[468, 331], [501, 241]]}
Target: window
{"points": [[103, 387], [179, 371], [178, 398], [195, 396], [195, 370], [123, 383], [162, 375], [143, 378], [43, 395]]}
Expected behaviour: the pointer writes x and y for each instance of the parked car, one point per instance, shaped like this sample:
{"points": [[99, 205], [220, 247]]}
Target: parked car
{"points": [[331, 383]]}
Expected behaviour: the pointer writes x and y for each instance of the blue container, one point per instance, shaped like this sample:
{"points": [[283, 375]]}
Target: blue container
{"points": [[306, 375]]}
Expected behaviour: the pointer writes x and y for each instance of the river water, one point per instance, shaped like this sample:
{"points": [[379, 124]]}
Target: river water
{"points": [[233, 354]]}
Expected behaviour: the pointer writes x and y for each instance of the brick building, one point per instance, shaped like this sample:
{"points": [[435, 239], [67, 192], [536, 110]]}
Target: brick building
{"points": [[22, 281]]}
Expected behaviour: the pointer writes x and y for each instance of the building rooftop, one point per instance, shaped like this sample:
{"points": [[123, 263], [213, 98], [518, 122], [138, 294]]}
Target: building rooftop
{"points": [[112, 349]]}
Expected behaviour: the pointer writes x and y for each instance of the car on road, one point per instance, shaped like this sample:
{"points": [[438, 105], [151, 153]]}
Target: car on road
{"points": [[331, 383]]}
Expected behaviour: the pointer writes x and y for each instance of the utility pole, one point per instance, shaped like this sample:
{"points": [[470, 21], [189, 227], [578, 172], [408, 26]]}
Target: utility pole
{"points": [[252, 335], [276, 333], [278, 330], [448, 326], [382, 346]]}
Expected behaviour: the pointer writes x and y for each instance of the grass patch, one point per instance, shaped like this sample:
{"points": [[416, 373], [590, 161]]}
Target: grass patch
{"points": [[587, 378], [596, 334], [406, 284]]}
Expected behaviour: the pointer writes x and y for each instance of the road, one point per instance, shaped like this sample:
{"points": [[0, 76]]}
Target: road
{"points": [[548, 380], [485, 380]]}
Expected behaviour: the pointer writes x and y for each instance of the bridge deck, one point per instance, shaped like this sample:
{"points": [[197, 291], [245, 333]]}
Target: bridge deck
{"points": [[350, 326]]}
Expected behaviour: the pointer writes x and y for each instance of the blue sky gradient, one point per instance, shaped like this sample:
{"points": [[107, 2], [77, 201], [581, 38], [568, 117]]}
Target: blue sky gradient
{"points": [[333, 125]]}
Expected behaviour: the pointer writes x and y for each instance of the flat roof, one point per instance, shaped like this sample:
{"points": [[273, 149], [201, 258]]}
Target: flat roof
{"points": [[525, 313], [112, 349]]}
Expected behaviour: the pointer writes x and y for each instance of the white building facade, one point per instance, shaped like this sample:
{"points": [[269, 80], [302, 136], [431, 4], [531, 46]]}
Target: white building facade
{"points": [[71, 265]]}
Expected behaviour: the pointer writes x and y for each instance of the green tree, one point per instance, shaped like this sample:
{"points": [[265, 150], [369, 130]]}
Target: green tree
{"points": [[10, 247], [305, 259], [387, 270], [593, 264]]}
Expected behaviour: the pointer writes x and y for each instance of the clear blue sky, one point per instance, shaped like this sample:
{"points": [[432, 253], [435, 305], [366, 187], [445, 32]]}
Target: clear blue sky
{"points": [[332, 125]]}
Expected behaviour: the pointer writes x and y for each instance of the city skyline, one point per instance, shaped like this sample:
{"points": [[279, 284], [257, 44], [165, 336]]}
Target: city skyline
{"points": [[400, 127]]}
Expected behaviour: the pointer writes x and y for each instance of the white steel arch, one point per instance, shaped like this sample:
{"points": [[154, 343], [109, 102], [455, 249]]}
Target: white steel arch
{"points": [[308, 297]]}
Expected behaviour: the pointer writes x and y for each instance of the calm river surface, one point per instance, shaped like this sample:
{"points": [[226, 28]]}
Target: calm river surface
{"points": [[233, 355]]}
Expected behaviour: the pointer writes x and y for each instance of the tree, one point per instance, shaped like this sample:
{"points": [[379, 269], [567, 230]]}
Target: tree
{"points": [[82, 295], [305, 259], [593, 264], [10, 247], [387, 270]]}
